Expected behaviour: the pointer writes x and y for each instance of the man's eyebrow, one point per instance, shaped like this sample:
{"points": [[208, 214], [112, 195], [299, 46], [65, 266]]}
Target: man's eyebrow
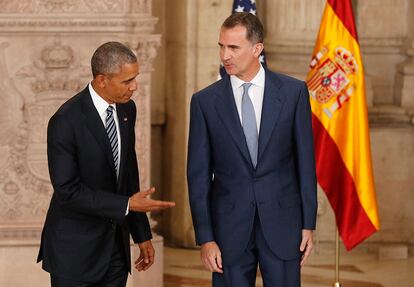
{"points": [[230, 46], [129, 80]]}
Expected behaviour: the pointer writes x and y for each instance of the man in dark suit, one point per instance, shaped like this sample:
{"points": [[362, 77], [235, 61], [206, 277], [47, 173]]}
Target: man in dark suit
{"points": [[251, 168], [93, 169]]}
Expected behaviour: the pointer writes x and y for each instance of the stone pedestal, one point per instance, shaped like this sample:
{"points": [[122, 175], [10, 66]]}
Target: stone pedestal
{"points": [[18, 266], [153, 277]]}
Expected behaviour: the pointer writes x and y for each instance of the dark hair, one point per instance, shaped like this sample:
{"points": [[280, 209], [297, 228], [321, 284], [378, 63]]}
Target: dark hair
{"points": [[110, 57], [252, 24]]}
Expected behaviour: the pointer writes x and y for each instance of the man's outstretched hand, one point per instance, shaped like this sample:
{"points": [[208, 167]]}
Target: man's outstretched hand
{"points": [[142, 203]]}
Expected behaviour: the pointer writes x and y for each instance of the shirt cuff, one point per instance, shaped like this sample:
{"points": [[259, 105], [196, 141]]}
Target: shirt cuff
{"points": [[127, 210]]}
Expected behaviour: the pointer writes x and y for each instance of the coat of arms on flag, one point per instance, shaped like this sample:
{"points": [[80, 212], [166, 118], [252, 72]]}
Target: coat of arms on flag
{"points": [[329, 81]]}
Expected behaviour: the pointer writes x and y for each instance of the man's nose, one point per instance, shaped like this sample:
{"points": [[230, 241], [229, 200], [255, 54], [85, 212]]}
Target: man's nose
{"points": [[225, 54], [133, 86]]}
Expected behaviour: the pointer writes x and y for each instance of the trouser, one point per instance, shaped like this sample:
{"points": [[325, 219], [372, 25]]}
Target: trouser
{"points": [[115, 276], [275, 271]]}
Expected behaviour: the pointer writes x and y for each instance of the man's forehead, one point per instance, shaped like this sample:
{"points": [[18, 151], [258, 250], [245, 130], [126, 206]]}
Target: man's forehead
{"points": [[236, 29], [237, 33]]}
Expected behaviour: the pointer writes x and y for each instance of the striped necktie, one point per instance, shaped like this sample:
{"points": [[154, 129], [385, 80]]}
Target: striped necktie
{"points": [[249, 124], [112, 134]]}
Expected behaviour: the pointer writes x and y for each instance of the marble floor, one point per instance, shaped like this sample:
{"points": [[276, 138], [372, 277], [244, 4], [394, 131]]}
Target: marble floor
{"points": [[182, 268]]}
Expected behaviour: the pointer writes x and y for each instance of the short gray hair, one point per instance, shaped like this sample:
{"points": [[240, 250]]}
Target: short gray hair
{"points": [[110, 57]]}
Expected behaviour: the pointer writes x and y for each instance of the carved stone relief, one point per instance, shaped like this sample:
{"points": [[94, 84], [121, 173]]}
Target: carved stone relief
{"points": [[24, 176], [45, 49], [62, 6], [56, 72], [75, 6]]}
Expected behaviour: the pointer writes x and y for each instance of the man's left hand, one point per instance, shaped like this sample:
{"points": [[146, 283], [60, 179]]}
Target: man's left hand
{"points": [[306, 245], [146, 257]]}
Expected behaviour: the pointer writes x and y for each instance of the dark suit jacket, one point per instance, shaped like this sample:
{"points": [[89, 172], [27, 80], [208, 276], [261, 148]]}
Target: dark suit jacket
{"points": [[225, 189], [88, 202]]}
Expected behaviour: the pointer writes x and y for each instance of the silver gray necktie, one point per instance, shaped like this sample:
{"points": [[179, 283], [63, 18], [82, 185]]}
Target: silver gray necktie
{"points": [[249, 124], [112, 134]]}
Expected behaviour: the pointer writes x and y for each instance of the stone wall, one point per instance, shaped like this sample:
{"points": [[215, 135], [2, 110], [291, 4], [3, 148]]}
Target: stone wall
{"points": [[45, 51]]}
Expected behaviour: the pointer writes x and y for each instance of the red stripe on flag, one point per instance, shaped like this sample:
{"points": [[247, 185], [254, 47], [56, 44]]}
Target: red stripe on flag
{"points": [[343, 9], [353, 223], [314, 81]]}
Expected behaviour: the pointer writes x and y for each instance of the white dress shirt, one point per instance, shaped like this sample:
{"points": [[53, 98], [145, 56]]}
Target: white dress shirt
{"points": [[256, 94]]}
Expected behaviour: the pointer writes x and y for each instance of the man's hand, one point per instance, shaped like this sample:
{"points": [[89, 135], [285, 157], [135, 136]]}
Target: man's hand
{"points": [[307, 245], [146, 256], [141, 203], [211, 257]]}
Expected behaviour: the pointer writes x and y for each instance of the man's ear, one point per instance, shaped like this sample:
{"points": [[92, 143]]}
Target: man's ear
{"points": [[258, 48], [100, 81]]}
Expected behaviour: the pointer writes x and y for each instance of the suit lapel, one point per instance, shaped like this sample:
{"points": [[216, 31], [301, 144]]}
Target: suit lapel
{"points": [[96, 127], [272, 105], [227, 110], [123, 121]]}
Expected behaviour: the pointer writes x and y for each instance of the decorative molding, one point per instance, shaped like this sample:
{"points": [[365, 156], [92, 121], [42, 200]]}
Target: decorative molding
{"points": [[139, 6], [390, 116], [62, 6], [20, 234], [110, 25]]}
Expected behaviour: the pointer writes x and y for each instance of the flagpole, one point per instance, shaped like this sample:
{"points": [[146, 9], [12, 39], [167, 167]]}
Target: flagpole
{"points": [[337, 254]]}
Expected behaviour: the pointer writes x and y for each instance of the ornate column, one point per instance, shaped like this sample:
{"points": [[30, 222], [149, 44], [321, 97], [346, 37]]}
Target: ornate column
{"points": [[45, 50]]}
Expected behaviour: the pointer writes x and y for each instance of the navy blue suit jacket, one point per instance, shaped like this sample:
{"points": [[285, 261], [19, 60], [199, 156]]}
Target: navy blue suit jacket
{"points": [[88, 200], [225, 189]]}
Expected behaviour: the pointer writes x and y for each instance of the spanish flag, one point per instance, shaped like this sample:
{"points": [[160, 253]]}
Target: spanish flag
{"points": [[339, 114]]}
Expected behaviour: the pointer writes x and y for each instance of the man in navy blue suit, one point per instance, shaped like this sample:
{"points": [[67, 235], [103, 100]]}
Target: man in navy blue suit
{"points": [[251, 167]]}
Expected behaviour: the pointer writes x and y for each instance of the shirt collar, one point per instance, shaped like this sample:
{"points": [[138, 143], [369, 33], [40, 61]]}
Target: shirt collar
{"points": [[258, 80], [100, 104]]}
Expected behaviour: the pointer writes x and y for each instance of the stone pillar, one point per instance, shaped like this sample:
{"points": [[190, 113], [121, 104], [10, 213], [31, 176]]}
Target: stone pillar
{"points": [[405, 76], [180, 72], [291, 30], [192, 31], [382, 28], [45, 51]]}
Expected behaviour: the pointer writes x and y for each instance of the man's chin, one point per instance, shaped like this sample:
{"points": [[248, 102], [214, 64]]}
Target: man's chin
{"points": [[126, 99], [230, 71]]}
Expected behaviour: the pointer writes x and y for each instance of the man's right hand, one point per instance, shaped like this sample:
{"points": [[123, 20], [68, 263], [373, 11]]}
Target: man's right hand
{"points": [[141, 203], [211, 257]]}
